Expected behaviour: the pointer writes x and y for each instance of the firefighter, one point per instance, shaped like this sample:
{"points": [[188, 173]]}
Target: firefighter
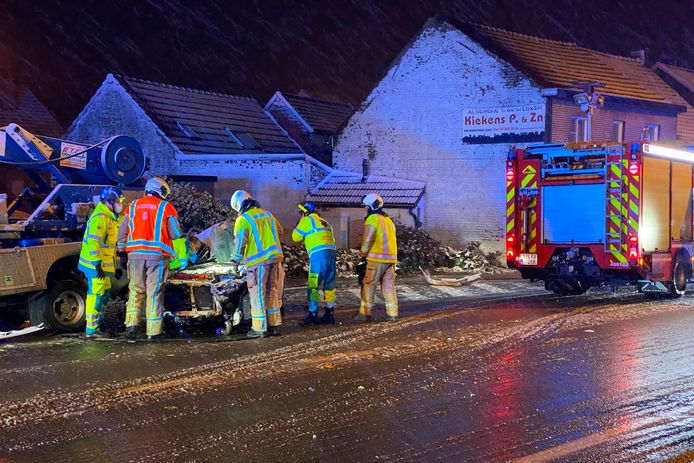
{"points": [[380, 249], [145, 243], [320, 246], [257, 245], [97, 257]]}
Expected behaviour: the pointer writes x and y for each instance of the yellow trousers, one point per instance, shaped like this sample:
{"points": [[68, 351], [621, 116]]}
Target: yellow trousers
{"points": [[98, 291], [383, 274], [147, 283], [266, 291]]}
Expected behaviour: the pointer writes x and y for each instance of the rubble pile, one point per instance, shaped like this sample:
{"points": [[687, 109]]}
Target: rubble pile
{"points": [[472, 258], [416, 249], [197, 209], [296, 261]]}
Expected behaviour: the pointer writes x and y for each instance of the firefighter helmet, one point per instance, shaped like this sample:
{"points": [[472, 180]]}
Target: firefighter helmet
{"points": [[373, 201], [307, 207], [238, 198], [111, 194], [158, 186]]}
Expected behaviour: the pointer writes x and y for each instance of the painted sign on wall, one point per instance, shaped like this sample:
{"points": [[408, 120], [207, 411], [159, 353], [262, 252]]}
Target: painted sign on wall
{"points": [[497, 125]]}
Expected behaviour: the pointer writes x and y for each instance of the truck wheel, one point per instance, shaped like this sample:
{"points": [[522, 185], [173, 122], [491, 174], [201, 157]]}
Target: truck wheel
{"points": [[678, 285], [61, 308]]}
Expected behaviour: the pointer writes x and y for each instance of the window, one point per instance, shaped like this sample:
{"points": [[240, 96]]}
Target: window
{"points": [[580, 132], [187, 131], [243, 139], [651, 132], [618, 131]]}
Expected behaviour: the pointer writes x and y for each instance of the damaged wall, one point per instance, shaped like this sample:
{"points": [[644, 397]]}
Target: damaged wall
{"points": [[411, 126]]}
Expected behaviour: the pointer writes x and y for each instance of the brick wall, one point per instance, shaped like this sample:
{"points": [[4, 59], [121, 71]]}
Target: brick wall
{"points": [[410, 127], [564, 113], [113, 112], [348, 223]]}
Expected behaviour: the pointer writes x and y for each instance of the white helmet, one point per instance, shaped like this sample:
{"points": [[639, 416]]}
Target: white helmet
{"points": [[373, 201], [159, 186], [238, 198]]}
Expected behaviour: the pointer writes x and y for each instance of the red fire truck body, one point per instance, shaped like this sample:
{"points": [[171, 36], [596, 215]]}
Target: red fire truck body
{"points": [[590, 214]]}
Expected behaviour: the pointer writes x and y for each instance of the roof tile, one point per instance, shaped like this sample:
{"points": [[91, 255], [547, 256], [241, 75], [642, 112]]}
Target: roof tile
{"points": [[208, 114], [347, 189], [323, 116]]}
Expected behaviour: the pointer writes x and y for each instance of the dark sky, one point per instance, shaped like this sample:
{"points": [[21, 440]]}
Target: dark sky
{"points": [[335, 49]]}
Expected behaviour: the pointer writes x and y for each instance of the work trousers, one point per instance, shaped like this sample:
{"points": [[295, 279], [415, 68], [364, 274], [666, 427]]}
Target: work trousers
{"points": [[266, 290], [321, 273], [98, 292], [378, 272], [147, 283]]}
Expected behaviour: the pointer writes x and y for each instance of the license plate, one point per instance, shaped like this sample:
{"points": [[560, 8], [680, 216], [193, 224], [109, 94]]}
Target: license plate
{"points": [[528, 259]]}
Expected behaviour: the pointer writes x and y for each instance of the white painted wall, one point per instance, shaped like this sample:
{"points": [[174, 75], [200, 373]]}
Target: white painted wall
{"points": [[411, 127]]}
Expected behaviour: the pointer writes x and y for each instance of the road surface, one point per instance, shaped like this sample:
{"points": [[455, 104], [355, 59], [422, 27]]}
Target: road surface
{"points": [[493, 372]]}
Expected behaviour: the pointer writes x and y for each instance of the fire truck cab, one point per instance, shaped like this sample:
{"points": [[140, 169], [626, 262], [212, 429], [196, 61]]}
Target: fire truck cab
{"points": [[581, 215]]}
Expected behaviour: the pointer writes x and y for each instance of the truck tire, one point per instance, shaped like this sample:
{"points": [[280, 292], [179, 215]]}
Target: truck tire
{"points": [[62, 307], [678, 285]]}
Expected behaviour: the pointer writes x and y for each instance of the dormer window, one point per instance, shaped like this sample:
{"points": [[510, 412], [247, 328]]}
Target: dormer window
{"points": [[243, 139]]}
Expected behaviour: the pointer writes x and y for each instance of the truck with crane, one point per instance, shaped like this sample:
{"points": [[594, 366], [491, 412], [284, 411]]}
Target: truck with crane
{"points": [[583, 215], [42, 228]]}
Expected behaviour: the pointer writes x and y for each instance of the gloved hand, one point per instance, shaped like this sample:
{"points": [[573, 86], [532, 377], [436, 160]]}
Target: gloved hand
{"points": [[100, 271], [122, 259]]}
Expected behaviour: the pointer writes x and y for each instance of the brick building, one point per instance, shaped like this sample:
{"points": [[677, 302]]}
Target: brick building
{"points": [[218, 142], [311, 122], [458, 95]]}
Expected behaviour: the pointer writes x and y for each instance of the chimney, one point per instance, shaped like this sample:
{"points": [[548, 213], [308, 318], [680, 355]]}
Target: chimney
{"points": [[365, 167], [641, 56]]}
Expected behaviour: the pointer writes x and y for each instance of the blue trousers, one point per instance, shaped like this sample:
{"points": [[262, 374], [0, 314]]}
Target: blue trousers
{"points": [[321, 273]]}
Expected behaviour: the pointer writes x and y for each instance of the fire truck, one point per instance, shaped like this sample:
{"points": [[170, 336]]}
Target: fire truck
{"points": [[583, 215]]}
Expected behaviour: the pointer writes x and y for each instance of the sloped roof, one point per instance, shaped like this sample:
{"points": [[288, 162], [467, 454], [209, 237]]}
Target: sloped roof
{"points": [[19, 105], [209, 114], [685, 78], [323, 116], [553, 63], [347, 189]]}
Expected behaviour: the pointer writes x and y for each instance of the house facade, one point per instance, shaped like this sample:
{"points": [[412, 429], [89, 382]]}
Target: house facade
{"points": [[311, 122], [459, 95], [219, 142]]}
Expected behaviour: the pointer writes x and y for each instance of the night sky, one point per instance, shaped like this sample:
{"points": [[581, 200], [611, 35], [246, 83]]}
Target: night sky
{"points": [[334, 49]]}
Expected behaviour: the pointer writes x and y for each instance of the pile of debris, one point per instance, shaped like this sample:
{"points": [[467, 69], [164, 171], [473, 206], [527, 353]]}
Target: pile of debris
{"points": [[416, 249], [296, 261], [197, 209]]}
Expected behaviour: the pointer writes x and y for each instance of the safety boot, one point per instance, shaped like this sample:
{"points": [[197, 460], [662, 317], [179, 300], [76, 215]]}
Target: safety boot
{"points": [[391, 318], [98, 334], [130, 333], [328, 317], [310, 319], [275, 331], [155, 337], [362, 318], [253, 334]]}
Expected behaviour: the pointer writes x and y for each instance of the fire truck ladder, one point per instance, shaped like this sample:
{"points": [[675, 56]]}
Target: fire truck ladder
{"points": [[614, 219]]}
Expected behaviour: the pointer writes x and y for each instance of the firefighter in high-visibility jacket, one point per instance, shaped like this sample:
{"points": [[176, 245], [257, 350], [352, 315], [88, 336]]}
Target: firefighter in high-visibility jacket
{"points": [[380, 248], [320, 245], [98, 254], [146, 243], [257, 245]]}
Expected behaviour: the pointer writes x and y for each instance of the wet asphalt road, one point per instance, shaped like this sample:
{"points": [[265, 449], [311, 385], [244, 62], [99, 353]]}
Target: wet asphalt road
{"points": [[511, 374]]}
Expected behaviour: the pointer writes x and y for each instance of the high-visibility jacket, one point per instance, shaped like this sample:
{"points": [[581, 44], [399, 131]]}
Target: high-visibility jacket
{"points": [[316, 233], [99, 242], [182, 250], [257, 239], [379, 243], [151, 226]]}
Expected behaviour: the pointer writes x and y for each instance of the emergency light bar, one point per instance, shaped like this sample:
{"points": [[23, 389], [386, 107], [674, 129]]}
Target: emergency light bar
{"points": [[670, 153]]}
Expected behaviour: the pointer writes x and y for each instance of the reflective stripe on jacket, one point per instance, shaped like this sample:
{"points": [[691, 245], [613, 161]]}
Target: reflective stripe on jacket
{"points": [[99, 242], [379, 243], [256, 235], [152, 225], [316, 233]]}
